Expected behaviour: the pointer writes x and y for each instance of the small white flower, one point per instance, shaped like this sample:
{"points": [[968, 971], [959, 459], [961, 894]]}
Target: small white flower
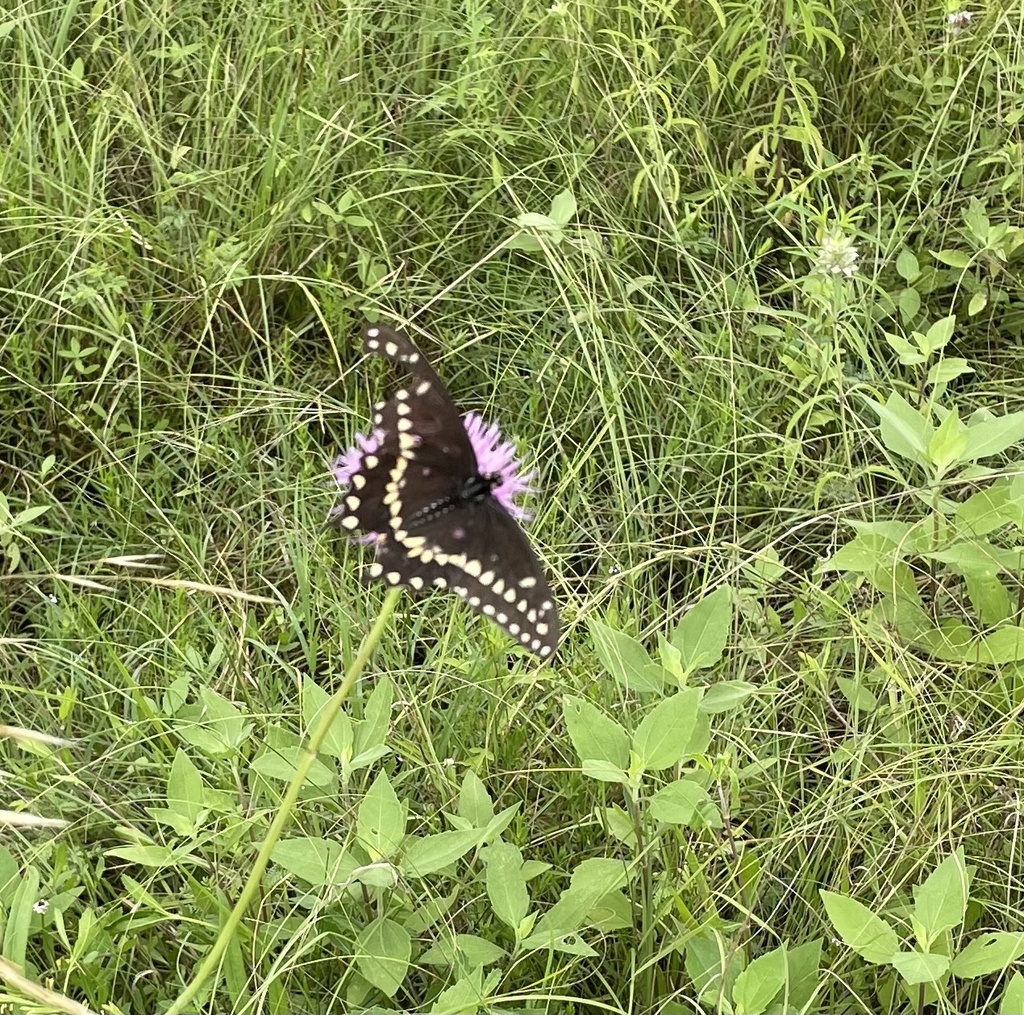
{"points": [[958, 21], [449, 762], [837, 256], [41, 906], [558, 9]]}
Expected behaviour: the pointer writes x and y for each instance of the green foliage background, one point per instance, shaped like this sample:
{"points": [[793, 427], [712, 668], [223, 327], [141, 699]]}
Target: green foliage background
{"points": [[200, 203]]}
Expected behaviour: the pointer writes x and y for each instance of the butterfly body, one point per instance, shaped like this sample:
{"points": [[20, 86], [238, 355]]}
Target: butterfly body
{"points": [[438, 520]]}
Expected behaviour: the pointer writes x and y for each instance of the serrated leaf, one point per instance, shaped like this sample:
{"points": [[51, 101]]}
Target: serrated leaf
{"points": [[867, 934]]}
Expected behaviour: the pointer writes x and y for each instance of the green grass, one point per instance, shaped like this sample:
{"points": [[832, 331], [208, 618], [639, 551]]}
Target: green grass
{"points": [[200, 205]]}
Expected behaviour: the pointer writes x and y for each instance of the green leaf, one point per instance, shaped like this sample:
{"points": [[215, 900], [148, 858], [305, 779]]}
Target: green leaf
{"points": [[906, 265], [280, 764], [318, 861], [19, 918], [920, 967], [380, 823], [939, 334], [726, 695], [474, 951], [987, 510], [665, 731], [867, 934], [604, 771], [154, 856], [370, 733], [431, 853], [1013, 998], [904, 431], [948, 369], [467, 995], [624, 658], [506, 883], [993, 436], [909, 302], [595, 736], [940, 902], [756, 987], [947, 443], [338, 742], [978, 303], [857, 694], [802, 967], [707, 957], [382, 951], [862, 554], [563, 208], [953, 258], [1003, 646], [988, 953], [185, 787], [703, 633], [676, 803], [474, 801]]}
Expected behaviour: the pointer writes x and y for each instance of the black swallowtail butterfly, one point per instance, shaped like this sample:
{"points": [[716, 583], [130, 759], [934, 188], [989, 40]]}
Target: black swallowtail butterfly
{"points": [[434, 516]]}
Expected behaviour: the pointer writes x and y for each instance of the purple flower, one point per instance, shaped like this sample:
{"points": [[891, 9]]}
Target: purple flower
{"points": [[495, 457]]}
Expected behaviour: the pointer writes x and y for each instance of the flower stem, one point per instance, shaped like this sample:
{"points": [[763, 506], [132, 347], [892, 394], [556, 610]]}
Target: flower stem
{"points": [[287, 805]]}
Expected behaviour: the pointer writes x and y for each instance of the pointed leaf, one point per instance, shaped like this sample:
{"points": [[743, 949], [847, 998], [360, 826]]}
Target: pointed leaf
{"points": [[867, 934], [993, 436], [382, 950], [904, 431], [989, 953], [431, 853], [595, 736], [940, 903], [318, 861], [624, 658], [380, 824], [506, 884], [920, 967], [703, 633], [756, 987], [663, 735], [1013, 1000]]}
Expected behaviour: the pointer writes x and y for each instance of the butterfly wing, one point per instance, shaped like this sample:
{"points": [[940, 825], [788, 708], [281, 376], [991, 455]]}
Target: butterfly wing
{"points": [[412, 491], [488, 562]]}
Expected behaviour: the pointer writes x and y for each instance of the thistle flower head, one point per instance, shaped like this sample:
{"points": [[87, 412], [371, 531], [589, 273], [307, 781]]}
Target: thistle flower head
{"points": [[497, 458]]}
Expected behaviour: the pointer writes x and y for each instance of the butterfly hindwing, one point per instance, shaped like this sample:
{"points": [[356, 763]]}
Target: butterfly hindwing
{"points": [[489, 564]]}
